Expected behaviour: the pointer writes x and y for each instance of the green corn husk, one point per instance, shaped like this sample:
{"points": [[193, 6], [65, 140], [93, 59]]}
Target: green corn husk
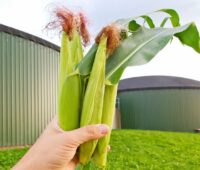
{"points": [[65, 59], [77, 50], [70, 55], [100, 154], [70, 83], [70, 103], [93, 100]]}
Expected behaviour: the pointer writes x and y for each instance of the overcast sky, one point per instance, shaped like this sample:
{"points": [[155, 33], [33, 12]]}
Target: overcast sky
{"points": [[31, 17]]}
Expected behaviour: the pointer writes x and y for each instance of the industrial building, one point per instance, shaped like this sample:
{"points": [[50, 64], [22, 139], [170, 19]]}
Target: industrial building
{"points": [[28, 86], [160, 103]]}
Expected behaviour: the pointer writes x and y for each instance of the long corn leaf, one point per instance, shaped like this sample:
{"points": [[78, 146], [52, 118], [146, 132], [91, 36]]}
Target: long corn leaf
{"points": [[85, 66], [138, 49], [174, 17], [148, 20], [164, 21], [190, 37]]}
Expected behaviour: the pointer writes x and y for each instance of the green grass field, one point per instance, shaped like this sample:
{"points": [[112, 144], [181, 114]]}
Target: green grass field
{"points": [[144, 150], [9, 157]]}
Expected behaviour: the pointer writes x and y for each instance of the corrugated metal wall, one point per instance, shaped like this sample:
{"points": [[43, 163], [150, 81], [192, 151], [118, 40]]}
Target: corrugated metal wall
{"points": [[167, 109], [28, 89]]}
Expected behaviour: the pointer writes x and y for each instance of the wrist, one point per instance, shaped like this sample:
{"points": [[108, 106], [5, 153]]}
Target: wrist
{"points": [[26, 162], [23, 165]]}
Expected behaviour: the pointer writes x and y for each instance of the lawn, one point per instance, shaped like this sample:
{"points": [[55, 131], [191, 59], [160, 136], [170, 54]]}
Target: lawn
{"points": [[9, 157], [144, 150]]}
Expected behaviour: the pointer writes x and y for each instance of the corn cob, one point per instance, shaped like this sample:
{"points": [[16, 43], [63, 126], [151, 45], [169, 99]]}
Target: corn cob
{"points": [[70, 94], [100, 154], [70, 83], [93, 100], [93, 105]]}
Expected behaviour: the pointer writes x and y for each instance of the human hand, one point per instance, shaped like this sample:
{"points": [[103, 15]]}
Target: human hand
{"points": [[56, 149]]}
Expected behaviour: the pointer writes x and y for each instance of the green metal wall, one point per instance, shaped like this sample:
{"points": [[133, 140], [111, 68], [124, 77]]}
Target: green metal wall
{"points": [[28, 89], [167, 109]]}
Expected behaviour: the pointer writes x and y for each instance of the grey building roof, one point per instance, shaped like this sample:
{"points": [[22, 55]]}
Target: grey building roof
{"points": [[16, 32], [157, 82]]}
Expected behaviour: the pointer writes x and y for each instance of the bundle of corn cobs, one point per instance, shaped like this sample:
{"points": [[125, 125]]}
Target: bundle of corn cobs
{"points": [[88, 85]]}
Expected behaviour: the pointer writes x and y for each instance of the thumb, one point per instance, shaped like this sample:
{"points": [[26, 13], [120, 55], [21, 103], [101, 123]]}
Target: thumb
{"points": [[87, 133]]}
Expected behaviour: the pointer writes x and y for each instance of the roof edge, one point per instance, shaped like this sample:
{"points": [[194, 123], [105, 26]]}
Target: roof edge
{"points": [[158, 88], [22, 34], [157, 82]]}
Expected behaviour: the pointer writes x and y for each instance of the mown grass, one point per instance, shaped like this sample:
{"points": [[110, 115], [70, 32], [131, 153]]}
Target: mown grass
{"points": [[9, 157], [143, 150], [154, 150]]}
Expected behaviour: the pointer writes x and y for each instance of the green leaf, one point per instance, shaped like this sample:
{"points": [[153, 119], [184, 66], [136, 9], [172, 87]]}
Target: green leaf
{"points": [[124, 23], [148, 20], [85, 66], [190, 37], [138, 49], [174, 16], [164, 21], [133, 26]]}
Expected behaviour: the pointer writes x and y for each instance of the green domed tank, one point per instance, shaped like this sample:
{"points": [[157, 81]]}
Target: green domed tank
{"points": [[160, 103]]}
